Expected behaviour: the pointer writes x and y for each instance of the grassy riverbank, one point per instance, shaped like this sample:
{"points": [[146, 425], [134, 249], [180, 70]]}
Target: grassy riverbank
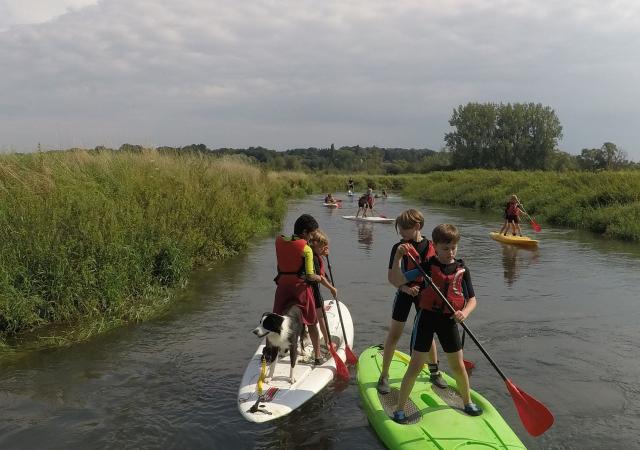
{"points": [[606, 202], [92, 240]]}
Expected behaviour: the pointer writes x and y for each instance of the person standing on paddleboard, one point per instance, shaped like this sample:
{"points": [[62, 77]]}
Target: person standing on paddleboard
{"points": [[319, 243], [452, 279], [408, 225], [512, 213], [295, 271]]}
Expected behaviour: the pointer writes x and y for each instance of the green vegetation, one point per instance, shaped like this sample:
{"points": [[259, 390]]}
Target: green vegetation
{"points": [[604, 202], [518, 136], [93, 239]]}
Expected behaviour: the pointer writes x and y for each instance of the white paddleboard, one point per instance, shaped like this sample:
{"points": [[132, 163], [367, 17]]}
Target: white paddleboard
{"points": [[281, 396], [330, 205], [374, 219]]}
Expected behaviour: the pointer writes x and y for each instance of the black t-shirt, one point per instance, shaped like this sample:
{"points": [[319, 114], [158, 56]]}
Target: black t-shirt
{"points": [[421, 247]]}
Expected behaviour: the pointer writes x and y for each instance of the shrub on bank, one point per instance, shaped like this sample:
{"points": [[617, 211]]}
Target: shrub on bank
{"points": [[603, 202]]}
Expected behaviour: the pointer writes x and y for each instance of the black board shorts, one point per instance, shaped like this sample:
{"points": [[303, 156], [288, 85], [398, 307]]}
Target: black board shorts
{"points": [[428, 323], [402, 306], [513, 219]]}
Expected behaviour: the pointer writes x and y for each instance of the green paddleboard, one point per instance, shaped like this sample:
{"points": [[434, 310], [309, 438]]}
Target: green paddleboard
{"points": [[436, 419]]}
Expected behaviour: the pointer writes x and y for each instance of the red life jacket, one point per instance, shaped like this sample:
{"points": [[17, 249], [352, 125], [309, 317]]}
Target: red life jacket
{"points": [[426, 250], [290, 257], [449, 285], [512, 209]]}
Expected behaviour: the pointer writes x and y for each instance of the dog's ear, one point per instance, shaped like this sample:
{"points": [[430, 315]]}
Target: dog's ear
{"points": [[273, 322]]}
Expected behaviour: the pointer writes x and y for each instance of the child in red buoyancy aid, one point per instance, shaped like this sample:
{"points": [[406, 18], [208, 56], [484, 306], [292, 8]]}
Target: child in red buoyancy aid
{"points": [[319, 243], [408, 225], [452, 278], [512, 213], [295, 271]]}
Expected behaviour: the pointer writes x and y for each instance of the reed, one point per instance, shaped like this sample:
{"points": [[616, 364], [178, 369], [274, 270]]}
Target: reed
{"points": [[605, 202], [90, 240]]}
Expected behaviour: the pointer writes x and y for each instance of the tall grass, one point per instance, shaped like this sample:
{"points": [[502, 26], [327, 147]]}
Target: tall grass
{"points": [[96, 239], [604, 202]]}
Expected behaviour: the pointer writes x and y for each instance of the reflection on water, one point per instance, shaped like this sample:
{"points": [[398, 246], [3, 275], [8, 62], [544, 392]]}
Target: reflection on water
{"points": [[365, 235], [515, 258]]}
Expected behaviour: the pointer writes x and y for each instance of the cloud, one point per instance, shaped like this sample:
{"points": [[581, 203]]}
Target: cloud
{"points": [[21, 12], [303, 73]]}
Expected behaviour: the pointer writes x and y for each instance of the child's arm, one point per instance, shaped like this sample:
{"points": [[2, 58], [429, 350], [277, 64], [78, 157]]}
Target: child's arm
{"points": [[461, 315], [395, 275], [332, 289]]}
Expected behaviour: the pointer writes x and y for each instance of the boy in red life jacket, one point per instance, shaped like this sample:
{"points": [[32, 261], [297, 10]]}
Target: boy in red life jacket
{"points": [[295, 270], [512, 213], [453, 279], [408, 226], [319, 243], [370, 199]]}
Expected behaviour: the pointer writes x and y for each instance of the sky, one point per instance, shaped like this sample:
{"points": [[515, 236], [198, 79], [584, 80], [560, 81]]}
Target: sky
{"points": [[306, 73]]}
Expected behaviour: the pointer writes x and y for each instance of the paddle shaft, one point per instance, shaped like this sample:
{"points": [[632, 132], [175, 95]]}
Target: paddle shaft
{"points": [[344, 334], [464, 326]]}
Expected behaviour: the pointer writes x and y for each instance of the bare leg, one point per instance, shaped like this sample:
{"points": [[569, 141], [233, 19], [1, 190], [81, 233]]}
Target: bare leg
{"points": [[505, 225], [456, 364], [393, 336], [323, 328], [415, 366], [315, 339]]}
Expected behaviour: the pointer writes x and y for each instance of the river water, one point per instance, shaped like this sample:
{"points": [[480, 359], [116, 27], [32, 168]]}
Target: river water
{"points": [[561, 321]]}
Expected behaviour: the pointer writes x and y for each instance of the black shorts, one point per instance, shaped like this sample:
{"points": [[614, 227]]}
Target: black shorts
{"points": [[317, 296], [513, 219], [402, 306], [427, 324]]}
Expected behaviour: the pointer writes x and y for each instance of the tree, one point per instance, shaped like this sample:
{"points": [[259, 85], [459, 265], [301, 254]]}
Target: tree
{"points": [[518, 136], [607, 157]]}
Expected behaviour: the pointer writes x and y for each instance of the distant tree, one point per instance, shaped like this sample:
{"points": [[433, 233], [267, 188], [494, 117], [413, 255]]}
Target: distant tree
{"points": [[607, 157], [131, 148], [563, 161], [518, 136], [197, 148]]}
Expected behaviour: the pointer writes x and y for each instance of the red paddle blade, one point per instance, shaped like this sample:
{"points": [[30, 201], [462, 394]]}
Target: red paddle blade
{"points": [[469, 364], [352, 359], [537, 228], [535, 417], [341, 367]]}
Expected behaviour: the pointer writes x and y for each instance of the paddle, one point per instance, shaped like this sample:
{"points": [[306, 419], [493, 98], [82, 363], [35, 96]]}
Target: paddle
{"points": [[537, 228], [351, 357], [341, 368], [469, 365], [535, 417], [379, 215]]}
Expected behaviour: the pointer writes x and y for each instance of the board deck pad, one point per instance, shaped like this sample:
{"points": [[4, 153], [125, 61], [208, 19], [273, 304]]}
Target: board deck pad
{"points": [[389, 402]]}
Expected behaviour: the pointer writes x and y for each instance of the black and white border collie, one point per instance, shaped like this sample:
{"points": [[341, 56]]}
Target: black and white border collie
{"points": [[283, 334]]}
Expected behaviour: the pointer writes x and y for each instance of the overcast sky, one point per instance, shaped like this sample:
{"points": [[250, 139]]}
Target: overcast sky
{"points": [[301, 73]]}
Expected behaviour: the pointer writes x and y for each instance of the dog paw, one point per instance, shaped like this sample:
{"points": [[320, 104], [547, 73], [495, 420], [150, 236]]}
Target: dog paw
{"points": [[292, 380], [267, 379]]}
